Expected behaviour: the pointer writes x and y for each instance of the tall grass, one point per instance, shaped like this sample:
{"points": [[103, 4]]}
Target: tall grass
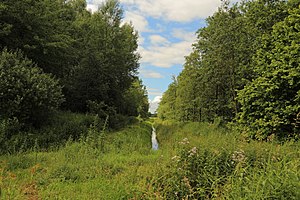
{"points": [[195, 161], [211, 162], [82, 170]]}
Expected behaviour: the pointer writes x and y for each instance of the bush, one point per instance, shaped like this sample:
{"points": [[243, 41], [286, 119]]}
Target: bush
{"points": [[196, 174], [56, 131], [26, 93], [106, 112], [258, 171], [61, 127], [8, 128], [271, 102]]}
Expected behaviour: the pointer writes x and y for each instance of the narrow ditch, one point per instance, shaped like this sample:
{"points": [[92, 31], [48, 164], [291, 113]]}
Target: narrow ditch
{"points": [[154, 139]]}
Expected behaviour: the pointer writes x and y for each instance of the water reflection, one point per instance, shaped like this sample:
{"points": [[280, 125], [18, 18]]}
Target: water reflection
{"points": [[154, 140]]}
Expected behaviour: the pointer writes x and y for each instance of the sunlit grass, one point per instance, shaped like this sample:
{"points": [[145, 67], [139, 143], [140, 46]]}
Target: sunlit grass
{"points": [[195, 160]]}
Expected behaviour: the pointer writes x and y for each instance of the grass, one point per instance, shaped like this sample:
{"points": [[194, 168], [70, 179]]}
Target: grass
{"points": [[195, 161], [210, 162]]}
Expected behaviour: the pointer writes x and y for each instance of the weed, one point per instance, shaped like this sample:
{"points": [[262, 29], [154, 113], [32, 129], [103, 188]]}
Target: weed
{"points": [[195, 161]]}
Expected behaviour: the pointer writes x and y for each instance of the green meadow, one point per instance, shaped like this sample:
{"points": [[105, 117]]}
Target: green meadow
{"points": [[194, 161]]}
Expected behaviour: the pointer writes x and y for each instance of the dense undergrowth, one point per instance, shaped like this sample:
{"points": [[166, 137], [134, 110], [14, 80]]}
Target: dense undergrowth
{"points": [[210, 162], [102, 165], [61, 127], [195, 161]]}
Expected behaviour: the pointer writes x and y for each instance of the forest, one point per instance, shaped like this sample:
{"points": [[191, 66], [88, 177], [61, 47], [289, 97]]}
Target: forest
{"points": [[74, 121], [61, 65], [244, 69]]}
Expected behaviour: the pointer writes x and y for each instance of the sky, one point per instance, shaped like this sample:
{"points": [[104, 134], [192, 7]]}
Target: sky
{"points": [[167, 30]]}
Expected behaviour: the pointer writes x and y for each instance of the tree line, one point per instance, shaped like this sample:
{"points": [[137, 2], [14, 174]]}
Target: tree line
{"points": [[56, 55], [244, 68]]}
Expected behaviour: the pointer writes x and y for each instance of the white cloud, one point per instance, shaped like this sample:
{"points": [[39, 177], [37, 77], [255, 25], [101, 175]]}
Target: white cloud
{"points": [[154, 91], [170, 10], [141, 40], [96, 2], [163, 53], [157, 99], [139, 22], [166, 56], [153, 104], [175, 10], [92, 7], [158, 40], [183, 35], [150, 74]]}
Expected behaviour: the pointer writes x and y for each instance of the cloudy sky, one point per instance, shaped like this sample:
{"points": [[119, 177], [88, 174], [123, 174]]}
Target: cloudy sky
{"points": [[166, 32]]}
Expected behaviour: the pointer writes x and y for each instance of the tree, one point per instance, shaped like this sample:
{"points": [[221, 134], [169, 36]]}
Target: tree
{"points": [[136, 100], [26, 93], [108, 63], [167, 106], [221, 62], [43, 30], [271, 103], [220, 59], [188, 94]]}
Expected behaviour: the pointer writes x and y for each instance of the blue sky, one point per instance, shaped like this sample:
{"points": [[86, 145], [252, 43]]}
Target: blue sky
{"points": [[166, 33]]}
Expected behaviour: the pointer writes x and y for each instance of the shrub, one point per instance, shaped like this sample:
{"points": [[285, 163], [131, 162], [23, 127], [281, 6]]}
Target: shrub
{"points": [[8, 127], [56, 131], [106, 112], [196, 174], [271, 102], [60, 128], [26, 93]]}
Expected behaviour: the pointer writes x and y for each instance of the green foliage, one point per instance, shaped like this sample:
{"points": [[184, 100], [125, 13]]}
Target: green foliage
{"points": [[42, 29], [215, 69], [80, 170], [62, 127], [275, 180], [197, 174], [188, 99], [167, 107], [228, 168], [244, 67], [188, 165], [108, 61], [271, 103], [27, 94], [136, 100], [8, 128], [109, 114], [56, 131], [93, 54]]}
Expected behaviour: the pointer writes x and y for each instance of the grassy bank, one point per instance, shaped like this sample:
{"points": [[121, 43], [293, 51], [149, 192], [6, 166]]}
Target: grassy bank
{"points": [[112, 166], [195, 161], [210, 162]]}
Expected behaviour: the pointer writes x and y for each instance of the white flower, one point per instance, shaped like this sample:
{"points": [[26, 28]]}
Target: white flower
{"points": [[184, 141], [176, 158], [193, 151], [238, 156]]}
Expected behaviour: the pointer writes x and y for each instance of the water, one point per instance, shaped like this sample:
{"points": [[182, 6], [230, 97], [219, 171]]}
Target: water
{"points": [[154, 140]]}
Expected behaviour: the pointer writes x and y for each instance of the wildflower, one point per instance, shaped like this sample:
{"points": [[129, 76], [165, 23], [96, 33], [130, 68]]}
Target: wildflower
{"points": [[187, 184], [238, 156], [34, 169], [176, 158], [12, 175], [184, 141], [193, 151]]}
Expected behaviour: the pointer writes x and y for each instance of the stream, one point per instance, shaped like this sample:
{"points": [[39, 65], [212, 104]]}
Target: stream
{"points": [[154, 140]]}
